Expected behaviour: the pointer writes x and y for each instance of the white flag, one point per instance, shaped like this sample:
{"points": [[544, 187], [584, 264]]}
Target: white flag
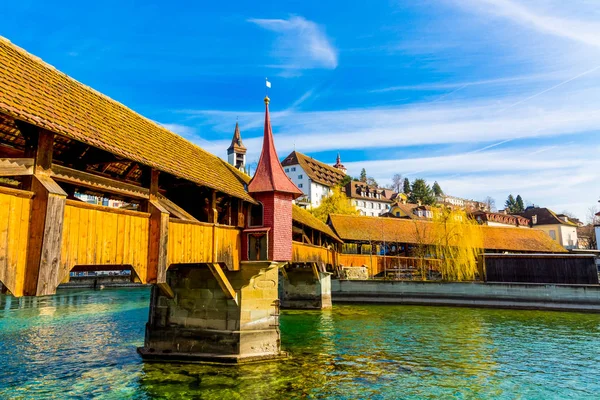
{"points": [[268, 84]]}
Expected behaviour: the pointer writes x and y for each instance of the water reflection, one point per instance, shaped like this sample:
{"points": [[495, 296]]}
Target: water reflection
{"points": [[82, 345]]}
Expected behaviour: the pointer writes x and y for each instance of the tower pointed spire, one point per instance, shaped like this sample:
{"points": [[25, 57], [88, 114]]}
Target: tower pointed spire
{"points": [[269, 176], [338, 163], [236, 153]]}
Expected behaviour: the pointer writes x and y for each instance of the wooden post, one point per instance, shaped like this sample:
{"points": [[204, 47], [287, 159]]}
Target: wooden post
{"points": [[47, 216], [159, 234], [213, 216], [240, 222]]}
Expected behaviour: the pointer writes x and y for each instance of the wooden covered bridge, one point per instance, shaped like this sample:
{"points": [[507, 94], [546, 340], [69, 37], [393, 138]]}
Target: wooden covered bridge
{"points": [[60, 138]]}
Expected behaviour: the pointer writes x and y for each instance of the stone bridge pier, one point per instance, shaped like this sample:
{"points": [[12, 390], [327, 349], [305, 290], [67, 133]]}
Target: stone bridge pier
{"points": [[304, 287], [227, 317]]}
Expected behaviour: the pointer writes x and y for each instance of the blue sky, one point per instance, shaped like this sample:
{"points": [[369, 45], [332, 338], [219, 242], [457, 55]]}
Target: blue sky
{"points": [[488, 97]]}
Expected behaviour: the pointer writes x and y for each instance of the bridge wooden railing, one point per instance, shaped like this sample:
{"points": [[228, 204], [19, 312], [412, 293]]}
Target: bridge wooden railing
{"points": [[97, 235], [305, 253], [199, 242], [15, 211]]}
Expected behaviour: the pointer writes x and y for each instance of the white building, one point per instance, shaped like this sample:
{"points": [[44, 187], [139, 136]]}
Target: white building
{"points": [[461, 203], [369, 201], [314, 178], [558, 228]]}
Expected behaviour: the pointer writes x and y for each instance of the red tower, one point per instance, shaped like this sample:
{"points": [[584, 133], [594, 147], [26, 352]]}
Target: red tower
{"points": [[270, 226]]}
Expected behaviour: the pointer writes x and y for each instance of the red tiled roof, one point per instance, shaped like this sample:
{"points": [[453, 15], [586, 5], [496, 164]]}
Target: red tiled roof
{"points": [[365, 229], [37, 93], [316, 170], [269, 175], [354, 188]]}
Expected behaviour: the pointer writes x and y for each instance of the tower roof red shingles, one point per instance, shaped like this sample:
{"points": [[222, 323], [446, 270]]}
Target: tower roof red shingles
{"points": [[269, 176]]}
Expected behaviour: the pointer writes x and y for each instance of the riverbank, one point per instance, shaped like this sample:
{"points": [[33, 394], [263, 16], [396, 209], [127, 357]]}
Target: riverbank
{"points": [[533, 296]]}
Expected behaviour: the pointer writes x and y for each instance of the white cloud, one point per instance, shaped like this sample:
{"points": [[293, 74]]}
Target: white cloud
{"points": [[300, 44], [576, 29], [185, 131]]}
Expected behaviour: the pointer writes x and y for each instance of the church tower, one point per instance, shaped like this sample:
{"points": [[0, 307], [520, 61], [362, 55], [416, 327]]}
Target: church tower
{"points": [[338, 164], [236, 153], [273, 189]]}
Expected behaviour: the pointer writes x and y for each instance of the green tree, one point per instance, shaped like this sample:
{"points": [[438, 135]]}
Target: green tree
{"points": [[346, 180], [511, 204], [336, 203], [520, 207], [437, 190], [420, 191], [406, 186], [363, 175]]}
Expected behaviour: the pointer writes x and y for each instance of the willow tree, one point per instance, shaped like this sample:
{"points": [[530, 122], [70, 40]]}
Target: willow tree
{"points": [[458, 242], [336, 203]]}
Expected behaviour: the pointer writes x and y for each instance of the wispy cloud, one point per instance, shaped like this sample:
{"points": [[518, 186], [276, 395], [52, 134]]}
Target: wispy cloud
{"points": [[300, 44], [575, 29], [459, 85]]}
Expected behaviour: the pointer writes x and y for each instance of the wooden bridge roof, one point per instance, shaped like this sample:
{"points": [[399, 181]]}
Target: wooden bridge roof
{"points": [[377, 229], [37, 93], [302, 216]]}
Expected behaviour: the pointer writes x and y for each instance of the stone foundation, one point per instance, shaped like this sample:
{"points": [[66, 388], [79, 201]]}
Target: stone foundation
{"points": [[305, 288], [203, 323]]}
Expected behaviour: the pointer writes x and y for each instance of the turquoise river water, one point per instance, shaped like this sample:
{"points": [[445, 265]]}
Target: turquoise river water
{"points": [[81, 344]]}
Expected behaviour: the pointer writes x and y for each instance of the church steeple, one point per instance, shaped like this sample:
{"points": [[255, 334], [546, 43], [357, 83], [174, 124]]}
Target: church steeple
{"points": [[338, 164], [236, 153], [269, 176], [271, 218]]}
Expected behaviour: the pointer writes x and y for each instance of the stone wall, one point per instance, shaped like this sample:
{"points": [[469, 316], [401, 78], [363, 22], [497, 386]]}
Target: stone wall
{"points": [[473, 294]]}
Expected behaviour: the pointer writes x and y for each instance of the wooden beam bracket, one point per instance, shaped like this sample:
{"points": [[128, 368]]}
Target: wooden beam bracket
{"points": [[224, 283]]}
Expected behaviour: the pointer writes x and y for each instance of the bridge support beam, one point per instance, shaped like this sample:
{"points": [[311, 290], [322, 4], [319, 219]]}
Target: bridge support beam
{"points": [[203, 323], [304, 287]]}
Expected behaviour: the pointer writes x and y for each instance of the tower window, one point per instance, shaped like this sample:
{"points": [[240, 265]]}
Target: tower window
{"points": [[256, 215]]}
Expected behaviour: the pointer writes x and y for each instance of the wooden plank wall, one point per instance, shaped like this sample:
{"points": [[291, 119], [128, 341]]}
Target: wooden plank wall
{"points": [[192, 242], [229, 246], [97, 235], [189, 243], [358, 260], [538, 268], [302, 253], [15, 210]]}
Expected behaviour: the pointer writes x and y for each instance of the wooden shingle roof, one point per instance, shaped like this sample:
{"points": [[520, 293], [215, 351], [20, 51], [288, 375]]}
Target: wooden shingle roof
{"points": [[316, 170], [365, 229], [37, 93], [302, 216]]}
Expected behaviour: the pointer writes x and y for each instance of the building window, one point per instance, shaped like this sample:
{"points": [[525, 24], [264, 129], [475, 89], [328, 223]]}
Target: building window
{"points": [[552, 234], [287, 170], [534, 219], [300, 177], [300, 185], [397, 213], [293, 169], [256, 215]]}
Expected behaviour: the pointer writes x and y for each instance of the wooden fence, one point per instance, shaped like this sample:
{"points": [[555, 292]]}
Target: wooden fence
{"points": [[541, 268]]}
